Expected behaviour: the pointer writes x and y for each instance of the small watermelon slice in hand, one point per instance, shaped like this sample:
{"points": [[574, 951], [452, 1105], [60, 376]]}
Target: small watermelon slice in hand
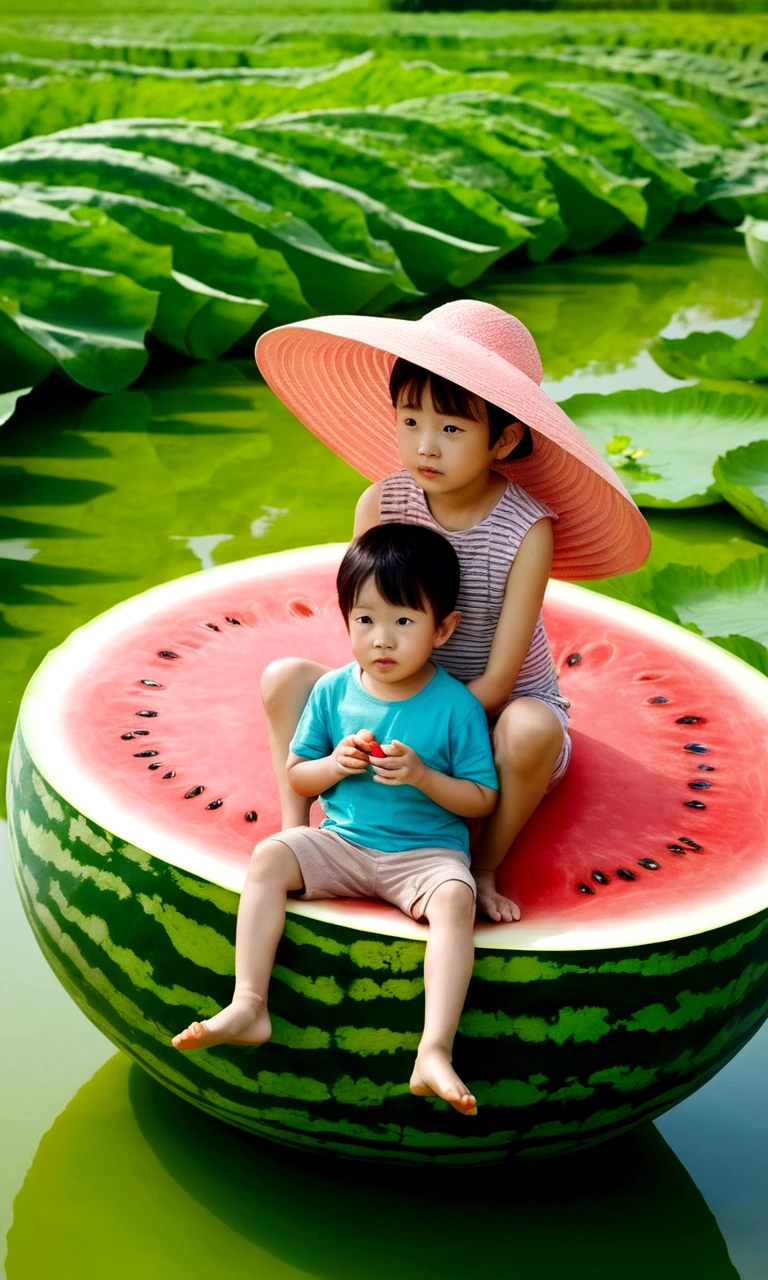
{"points": [[141, 779]]}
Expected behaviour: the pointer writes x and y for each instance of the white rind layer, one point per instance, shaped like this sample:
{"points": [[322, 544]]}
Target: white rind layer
{"points": [[47, 738]]}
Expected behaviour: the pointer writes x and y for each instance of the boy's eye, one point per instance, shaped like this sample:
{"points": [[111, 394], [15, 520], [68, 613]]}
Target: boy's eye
{"points": [[403, 622]]}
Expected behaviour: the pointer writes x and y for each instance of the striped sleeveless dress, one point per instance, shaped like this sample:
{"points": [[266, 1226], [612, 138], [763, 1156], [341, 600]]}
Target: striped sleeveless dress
{"points": [[486, 552]]}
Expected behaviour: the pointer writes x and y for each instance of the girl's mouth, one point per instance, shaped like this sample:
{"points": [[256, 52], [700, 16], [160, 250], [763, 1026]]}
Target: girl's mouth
{"points": [[429, 472]]}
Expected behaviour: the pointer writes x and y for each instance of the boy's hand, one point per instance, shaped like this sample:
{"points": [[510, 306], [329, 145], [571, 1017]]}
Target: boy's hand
{"points": [[401, 766], [351, 754]]}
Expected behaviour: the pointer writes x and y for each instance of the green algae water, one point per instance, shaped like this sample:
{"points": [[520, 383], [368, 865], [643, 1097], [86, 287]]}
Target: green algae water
{"points": [[106, 1174]]}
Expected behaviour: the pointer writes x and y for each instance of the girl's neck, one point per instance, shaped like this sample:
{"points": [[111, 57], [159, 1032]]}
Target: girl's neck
{"points": [[464, 508]]}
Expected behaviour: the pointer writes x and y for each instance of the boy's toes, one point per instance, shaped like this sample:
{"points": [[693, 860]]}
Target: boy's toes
{"points": [[195, 1036]]}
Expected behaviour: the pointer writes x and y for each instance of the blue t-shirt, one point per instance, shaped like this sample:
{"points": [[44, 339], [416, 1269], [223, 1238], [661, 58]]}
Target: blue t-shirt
{"points": [[444, 724]]}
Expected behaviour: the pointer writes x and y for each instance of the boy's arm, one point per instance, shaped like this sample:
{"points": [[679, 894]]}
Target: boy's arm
{"points": [[367, 514], [308, 777], [461, 796], [523, 598]]}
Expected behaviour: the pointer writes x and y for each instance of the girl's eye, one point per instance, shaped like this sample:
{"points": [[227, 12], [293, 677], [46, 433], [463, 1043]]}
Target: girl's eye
{"points": [[410, 422], [363, 619], [451, 427]]}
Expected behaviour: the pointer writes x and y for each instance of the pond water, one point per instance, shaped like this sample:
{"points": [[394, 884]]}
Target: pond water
{"points": [[104, 1173]]}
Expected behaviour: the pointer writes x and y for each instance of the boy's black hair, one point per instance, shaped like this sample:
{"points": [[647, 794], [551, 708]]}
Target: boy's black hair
{"points": [[411, 566], [409, 380]]}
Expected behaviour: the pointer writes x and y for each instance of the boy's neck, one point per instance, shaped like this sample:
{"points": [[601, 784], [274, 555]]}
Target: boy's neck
{"points": [[398, 691], [464, 508]]}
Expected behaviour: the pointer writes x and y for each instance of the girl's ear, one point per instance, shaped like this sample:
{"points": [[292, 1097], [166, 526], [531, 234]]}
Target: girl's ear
{"points": [[446, 628], [508, 440]]}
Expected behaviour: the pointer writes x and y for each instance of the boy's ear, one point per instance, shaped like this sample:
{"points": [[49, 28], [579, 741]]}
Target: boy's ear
{"points": [[508, 440], [446, 628]]}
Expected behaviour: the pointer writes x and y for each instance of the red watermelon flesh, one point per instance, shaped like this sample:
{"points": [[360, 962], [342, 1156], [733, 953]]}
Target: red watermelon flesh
{"points": [[657, 831]]}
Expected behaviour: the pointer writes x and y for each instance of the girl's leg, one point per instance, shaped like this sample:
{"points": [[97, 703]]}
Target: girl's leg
{"points": [[285, 687], [527, 740], [447, 970], [273, 871]]}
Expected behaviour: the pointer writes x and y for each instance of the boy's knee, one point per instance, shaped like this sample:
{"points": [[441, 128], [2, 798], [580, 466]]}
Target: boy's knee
{"points": [[452, 897]]}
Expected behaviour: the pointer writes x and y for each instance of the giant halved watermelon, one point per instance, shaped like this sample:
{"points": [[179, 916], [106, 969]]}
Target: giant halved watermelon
{"points": [[140, 780]]}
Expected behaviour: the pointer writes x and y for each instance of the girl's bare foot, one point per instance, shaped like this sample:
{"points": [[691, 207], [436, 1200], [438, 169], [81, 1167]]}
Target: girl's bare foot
{"points": [[434, 1077], [492, 903], [244, 1021]]}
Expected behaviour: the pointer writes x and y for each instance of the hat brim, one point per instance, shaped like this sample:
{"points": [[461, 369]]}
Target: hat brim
{"points": [[333, 374]]}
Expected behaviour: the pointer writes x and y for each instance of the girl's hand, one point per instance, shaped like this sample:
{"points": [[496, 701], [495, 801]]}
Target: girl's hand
{"points": [[402, 766], [351, 754]]}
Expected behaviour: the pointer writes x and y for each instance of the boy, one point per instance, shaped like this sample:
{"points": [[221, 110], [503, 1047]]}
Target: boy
{"points": [[408, 844]]}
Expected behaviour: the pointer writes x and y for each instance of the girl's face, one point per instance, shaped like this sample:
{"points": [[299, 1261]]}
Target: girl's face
{"points": [[444, 453]]}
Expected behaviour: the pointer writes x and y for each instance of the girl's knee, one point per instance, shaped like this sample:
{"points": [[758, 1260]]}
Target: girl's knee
{"points": [[280, 677], [527, 733]]}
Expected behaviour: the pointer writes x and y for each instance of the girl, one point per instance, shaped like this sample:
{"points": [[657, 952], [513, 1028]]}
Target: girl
{"points": [[447, 417]]}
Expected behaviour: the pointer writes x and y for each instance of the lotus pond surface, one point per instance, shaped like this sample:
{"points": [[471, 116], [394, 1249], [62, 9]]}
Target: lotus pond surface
{"points": [[104, 1173]]}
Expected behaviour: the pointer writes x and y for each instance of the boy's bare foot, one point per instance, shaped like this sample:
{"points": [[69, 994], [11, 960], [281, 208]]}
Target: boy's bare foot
{"points": [[493, 904], [434, 1077], [244, 1021]]}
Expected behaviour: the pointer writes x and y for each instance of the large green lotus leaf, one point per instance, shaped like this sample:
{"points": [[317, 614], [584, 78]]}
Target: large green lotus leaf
{"points": [[427, 221], [716, 355], [191, 317], [756, 238], [742, 477], [329, 280], [230, 261], [664, 445], [732, 602], [91, 323], [291, 76], [8, 401], [390, 167], [750, 651], [326, 205], [742, 188], [198, 1190]]}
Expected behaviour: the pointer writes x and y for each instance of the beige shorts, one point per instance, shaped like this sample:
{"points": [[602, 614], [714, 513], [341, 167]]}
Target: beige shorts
{"points": [[333, 867]]}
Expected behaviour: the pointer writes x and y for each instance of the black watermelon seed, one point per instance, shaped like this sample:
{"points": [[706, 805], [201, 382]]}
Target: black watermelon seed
{"points": [[695, 804], [691, 843], [573, 659], [141, 755], [215, 804], [148, 714], [625, 873], [653, 701], [167, 653], [141, 733], [196, 791], [171, 774], [706, 768], [234, 622], [688, 720], [676, 848], [211, 626], [700, 785], [158, 765], [584, 888], [152, 684], [697, 748], [648, 863], [126, 736], [600, 877], [251, 815]]}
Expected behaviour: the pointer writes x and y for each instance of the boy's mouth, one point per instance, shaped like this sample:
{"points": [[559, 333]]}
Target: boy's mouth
{"points": [[384, 664]]}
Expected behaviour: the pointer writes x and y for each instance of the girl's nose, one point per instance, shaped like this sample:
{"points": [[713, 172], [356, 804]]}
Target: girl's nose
{"points": [[428, 446]]}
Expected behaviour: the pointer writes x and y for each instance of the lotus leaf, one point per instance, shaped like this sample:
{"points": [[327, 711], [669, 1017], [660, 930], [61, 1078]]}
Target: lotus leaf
{"points": [[732, 603], [91, 323], [742, 476], [756, 237], [673, 438], [8, 402], [716, 355], [328, 279]]}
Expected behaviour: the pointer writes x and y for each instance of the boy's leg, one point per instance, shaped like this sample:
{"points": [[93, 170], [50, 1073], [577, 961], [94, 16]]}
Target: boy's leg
{"points": [[273, 871], [527, 740], [285, 686], [447, 970]]}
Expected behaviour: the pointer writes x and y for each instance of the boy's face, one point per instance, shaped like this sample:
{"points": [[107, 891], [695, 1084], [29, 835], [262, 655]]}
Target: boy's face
{"points": [[392, 642], [445, 452]]}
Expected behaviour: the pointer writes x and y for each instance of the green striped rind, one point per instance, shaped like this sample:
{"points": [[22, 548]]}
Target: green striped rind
{"points": [[562, 1049]]}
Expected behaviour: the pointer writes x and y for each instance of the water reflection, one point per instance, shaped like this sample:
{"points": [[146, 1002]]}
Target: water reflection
{"points": [[132, 1181]]}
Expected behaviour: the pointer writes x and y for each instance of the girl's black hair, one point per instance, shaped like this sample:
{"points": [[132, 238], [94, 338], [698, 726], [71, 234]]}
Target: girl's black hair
{"points": [[411, 566], [409, 380]]}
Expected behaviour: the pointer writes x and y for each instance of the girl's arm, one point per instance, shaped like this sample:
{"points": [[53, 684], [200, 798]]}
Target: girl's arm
{"points": [[367, 514], [523, 599]]}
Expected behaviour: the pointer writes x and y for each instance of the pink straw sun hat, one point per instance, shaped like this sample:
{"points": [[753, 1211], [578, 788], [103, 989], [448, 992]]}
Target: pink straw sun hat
{"points": [[333, 374]]}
